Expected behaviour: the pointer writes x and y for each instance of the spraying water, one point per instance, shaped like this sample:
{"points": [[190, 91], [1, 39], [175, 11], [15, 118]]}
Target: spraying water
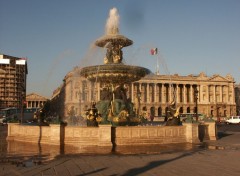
{"points": [[112, 25]]}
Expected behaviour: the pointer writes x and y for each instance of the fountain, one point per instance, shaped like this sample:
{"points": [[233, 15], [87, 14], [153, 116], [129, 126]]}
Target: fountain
{"points": [[114, 106]]}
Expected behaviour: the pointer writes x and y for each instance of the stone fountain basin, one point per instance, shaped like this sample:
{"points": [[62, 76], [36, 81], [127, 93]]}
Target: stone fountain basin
{"points": [[114, 73], [114, 39]]}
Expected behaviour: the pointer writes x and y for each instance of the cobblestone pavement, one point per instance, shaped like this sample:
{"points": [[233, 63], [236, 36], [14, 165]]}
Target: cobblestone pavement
{"points": [[219, 157]]}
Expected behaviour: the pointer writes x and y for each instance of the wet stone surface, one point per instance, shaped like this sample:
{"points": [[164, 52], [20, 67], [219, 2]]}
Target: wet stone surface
{"points": [[23, 154], [209, 158]]}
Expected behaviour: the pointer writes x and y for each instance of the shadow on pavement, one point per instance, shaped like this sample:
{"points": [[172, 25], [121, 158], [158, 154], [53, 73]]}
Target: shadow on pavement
{"points": [[223, 134], [155, 164]]}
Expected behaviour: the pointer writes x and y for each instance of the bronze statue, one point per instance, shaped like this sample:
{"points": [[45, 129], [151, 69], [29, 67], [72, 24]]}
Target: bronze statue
{"points": [[173, 115], [113, 54]]}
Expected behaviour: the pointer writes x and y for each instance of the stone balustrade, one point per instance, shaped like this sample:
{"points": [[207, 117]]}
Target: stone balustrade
{"points": [[108, 136]]}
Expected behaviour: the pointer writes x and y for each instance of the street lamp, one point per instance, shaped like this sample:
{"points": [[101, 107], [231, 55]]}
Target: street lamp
{"points": [[80, 102], [196, 101], [22, 104], [138, 102]]}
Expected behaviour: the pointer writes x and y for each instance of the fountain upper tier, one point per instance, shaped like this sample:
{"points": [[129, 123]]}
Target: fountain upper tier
{"points": [[114, 71], [114, 39]]}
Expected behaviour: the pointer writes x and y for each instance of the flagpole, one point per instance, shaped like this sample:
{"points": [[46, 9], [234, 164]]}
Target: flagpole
{"points": [[154, 51], [157, 72]]}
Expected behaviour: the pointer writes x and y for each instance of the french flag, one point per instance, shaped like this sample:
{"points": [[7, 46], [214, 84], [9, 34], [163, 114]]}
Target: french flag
{"points": [[153, 51]]}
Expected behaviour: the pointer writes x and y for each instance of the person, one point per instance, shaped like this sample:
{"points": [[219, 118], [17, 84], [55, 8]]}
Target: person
{"points": [[151, 118]]}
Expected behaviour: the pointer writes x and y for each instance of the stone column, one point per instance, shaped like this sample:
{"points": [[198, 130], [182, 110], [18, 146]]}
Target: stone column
{"points": [[199, 94], [207, 93], [162, 94], [191, 94], [132, 91], [227, 94], [88, 92], [142, 93], [98, 91], [221, 93], [233, 94], [170, 92], [184, 94], [147, 93], [155, 93], [214, 93], [177, 93]]}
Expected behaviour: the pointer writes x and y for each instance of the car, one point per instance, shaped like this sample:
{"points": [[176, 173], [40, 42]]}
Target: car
{"points": [[185, 116], [233, 120]]}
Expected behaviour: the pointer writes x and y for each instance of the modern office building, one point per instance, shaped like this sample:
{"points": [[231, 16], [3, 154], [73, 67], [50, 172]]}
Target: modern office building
{"points": [[13, 77], [212, 96]]}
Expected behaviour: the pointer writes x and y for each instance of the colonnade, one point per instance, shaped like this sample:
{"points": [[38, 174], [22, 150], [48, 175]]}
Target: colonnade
{"points": [[182, 93], [212, 98], [35, 104], [163, 93]]}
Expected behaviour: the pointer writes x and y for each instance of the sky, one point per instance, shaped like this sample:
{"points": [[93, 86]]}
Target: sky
{"points": [[192, 36]]}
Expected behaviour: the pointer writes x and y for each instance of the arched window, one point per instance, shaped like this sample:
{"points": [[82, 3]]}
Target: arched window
{"points": [[152, 111]]}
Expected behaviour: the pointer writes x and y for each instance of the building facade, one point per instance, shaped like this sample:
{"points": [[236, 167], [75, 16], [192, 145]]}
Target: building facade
{"points": [[34, 100], [215, 95], [237, 98], [13, 78]]}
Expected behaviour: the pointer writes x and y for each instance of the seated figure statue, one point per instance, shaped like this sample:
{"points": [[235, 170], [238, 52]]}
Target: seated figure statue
{"points": [[105, 102], [173, 115], [120, 99]]}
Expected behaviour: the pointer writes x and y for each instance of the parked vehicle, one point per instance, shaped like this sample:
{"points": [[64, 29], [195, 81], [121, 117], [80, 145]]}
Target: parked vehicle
{"points": [[233, 120], [15, 114], [184, 116], [7, 115]]}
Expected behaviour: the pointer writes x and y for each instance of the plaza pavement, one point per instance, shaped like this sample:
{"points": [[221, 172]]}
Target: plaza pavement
{"points": [[220, 158]]}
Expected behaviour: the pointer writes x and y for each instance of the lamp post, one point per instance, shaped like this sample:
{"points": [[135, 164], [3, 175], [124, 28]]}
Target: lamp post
{"points": [[80, 102], [196, 101], [138, 102], [21, 105]]}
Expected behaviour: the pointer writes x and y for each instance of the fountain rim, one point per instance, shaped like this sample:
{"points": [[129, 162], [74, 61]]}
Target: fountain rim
{"points": [[126, 73], [124, 41]]}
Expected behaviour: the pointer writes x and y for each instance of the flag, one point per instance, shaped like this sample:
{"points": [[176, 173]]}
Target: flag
{"points": [[153, 51]]}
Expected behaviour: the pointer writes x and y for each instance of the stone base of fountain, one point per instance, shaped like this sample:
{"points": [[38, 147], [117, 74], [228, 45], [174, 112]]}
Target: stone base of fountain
{"points": [[109, 136]]}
